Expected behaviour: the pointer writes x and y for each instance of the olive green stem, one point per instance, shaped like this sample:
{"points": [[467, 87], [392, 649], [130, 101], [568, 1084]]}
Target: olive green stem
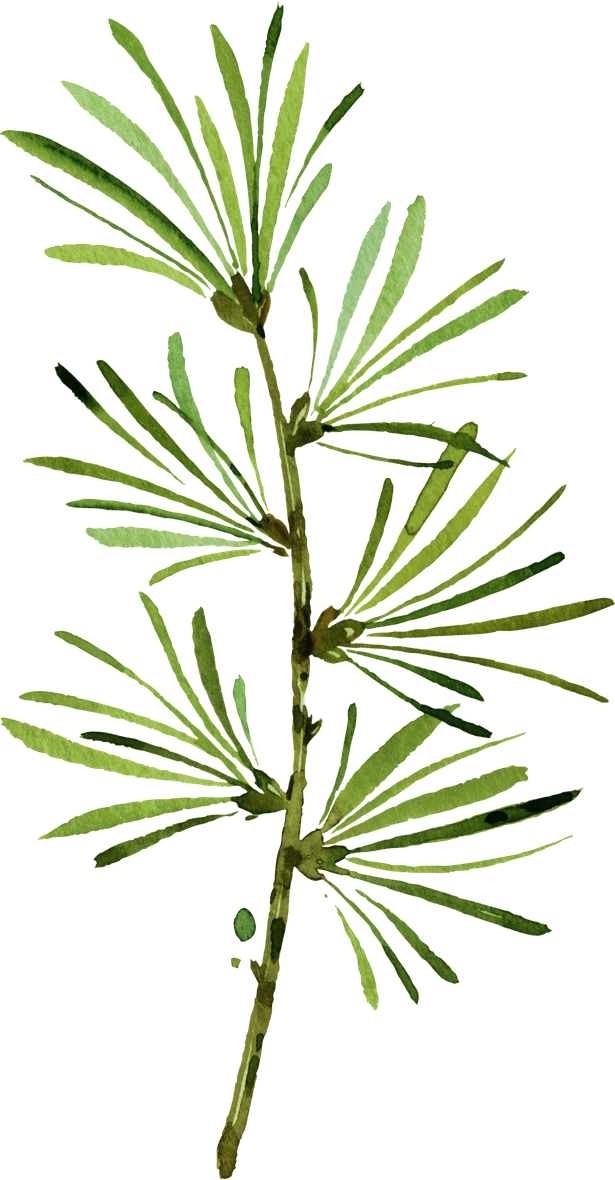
{"points": [[289, 855]]}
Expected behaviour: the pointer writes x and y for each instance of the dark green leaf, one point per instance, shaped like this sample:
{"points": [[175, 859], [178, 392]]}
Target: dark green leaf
{"points": [[348, 736], [439, 465], [115, 739], [206, 663], [459, 438], [310, 295], [475, 864], [271, 44], [334, 118], [283, 140], [312, 194], [148, 510], [536, 618], [398, 967], [441, 714], [368, 981], [119, 851], [125, 813], [435, 962], [375, 537], [383, 401], [179, 568], [457, 686], [70, 702], [114, 256], [244, 925]]}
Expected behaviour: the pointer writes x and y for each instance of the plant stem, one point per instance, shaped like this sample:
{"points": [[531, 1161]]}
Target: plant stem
{"points": [[288, 854]]}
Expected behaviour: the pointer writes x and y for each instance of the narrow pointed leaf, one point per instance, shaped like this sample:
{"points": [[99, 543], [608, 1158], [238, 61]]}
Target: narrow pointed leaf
{"points": [[149, 510], [339, 778], [90, 403], [383, 401], [164, 639], [435, 962], [120, 851], [131, 538], [271, 44], [312, 194], [70, 702], [536, 618], [538, 674], [224, 174], [472, 319], [461, 795], [366, 260], [202, 740], [115, 739], [125, 813], [368, 982], [398, 967], [239, 697], [242, 401], [375, 537], [402, 268], [334, 118], [440, 714], [56, 746], [420, 430], [206, 663], [385, 796], [134, 137], [283, 140], [180, 566], [104, 182], [475, 909], [190, 412], [231, 76], [310, 295], [492, 553], [202, 288], [115, 256], [434, 311], [134, 48], [445, 538], [438, 465], [476, 864], [513, 814], [453, 685]]}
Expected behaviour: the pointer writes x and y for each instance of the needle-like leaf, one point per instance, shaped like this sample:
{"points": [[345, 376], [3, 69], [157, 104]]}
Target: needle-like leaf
{"points": [[435, 962], [536, 618], [283, 140], [398, 967], [475, 864], [149, 510], [453, 685], [224, 174], [115, 739], [233, 81], [420, 430], [334, 118], [206, 663], [441, 714], [179, 568], [115, 256], [239, 697], [104, 182], [312, 194], [125, 813], [119, 851], [438, 465], [375, 537], [134, 137], [70, 702], [242, 401], [310, 295], [339, 778], [271, 44], [383, 401], [368, 982], [131, 538]]}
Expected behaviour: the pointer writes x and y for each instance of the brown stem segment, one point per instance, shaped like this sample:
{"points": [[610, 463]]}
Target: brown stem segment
{"points": [[289, 855]]}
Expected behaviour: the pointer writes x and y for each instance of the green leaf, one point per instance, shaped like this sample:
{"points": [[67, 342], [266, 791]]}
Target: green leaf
{"points": [[125, 813], [115, 256], [134, 137], [81, 168], [201, 286], [119, 851], [242, 401], [513, 814], [400, 272], [536, 618], [224, 174], [310, 295], [420, 430], [475, 909], [90, 403], [164, 639], [436, 310], [457, 686], [231, 76], [239, 697], [334, 118], [461, 795], [472, 319], [375, 537], [244, 925], [423, 389], [180, 566], [398, 967], [189, 410], [45, 742], [206, 663], [348, 736], [396, 789], [456, 722], [435, 962], [492, 553], [366, 260], [70, 702], [115, 739], [525, 622], [312, 194], [445, 538], [271, 44], [131, 538], [148, 510], [439, 466], [476, 864], [135, 50], [283, 140], [368, 982]]}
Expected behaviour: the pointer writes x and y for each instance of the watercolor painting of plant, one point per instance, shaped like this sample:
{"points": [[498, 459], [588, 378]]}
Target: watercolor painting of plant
{"points": [[222, 423]]}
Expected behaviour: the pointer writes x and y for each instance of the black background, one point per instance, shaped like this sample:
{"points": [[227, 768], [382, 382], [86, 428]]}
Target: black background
{"points": [[135, 998]]}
